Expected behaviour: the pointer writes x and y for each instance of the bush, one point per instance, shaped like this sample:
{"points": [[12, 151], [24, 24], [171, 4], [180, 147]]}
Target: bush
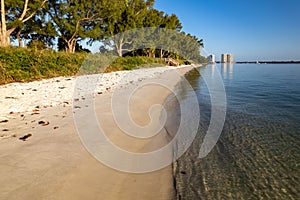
{"points": [[37, 45], [97, 63], [20, 64], [129, 63]]}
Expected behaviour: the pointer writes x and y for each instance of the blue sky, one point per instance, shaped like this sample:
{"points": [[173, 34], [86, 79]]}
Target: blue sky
{"points": [[250, 29]]}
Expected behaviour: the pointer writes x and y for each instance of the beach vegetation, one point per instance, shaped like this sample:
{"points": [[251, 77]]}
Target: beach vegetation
{"points": [[54, 31], [22, 65], [36, 63], [62, 24], [73, 21]]}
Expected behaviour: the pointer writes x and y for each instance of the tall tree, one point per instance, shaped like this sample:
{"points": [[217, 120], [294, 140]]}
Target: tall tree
{"points": [[171, 26], [189, 47], [34, 30], [130, 15], [15, 13], [129, 33], [75, 20], [171, 22], [134, 14]]}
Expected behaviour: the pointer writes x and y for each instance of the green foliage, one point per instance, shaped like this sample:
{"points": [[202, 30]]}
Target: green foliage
{"points": [[36, 29], [75, 20], [129, 63], [37, 45], [135, 14], [14, 9], [15, 15], [162, 43], [22, 65], [97, 63], [61, 46], [161, 36], [202, 60], [106, 20], [19, 64], [118, 25]]}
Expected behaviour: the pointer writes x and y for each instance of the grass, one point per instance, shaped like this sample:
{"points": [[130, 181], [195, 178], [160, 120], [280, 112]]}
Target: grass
{"points": [[129, 63], [23, 65]]}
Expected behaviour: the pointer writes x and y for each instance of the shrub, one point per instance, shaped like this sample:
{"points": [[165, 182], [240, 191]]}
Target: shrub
{"points": [[129, 63], [37, 45], [21, 64]]}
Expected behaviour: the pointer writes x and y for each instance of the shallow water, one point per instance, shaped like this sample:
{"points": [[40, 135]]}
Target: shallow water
{"points": [[258, 153]]}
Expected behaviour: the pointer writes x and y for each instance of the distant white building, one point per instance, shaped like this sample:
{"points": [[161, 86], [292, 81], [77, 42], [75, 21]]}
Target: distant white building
{"points": [[211, 58]]}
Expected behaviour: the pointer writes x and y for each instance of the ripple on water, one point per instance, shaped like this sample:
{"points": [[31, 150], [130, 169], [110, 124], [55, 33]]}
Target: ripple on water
{"points": [[257, 155], [253, 159]]}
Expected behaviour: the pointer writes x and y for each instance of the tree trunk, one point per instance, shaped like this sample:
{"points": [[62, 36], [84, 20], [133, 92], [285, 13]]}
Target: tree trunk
{"points": [[19, 38], [4, 34], [4, 40], [119, 47], [120, 51], [71, 45]]}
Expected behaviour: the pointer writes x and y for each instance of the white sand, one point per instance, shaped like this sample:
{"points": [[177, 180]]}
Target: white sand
{"points": [[53, 163], [26, 97]]}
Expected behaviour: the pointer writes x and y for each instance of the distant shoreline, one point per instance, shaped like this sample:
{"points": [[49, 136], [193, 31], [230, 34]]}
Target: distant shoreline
{"points": [[264, 62]]}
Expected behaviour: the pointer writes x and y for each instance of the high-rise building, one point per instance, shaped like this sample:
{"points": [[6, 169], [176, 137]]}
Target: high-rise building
{"points": [[227, 58], [211, 58], [230, 58], [224, 58]]}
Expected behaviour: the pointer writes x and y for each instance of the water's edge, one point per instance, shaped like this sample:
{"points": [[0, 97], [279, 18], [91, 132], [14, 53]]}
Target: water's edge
{"points": [[257, 155], [172, 125]]}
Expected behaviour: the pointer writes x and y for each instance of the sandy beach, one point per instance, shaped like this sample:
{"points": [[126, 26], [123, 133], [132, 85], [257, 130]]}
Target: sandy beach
{"points": [[42, 156]]}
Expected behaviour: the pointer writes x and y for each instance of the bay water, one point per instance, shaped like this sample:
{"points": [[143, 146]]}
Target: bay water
{"points": [[257, 155]]}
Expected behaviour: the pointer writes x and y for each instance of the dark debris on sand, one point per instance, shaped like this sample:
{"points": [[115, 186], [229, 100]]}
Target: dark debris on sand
{"points": [[25, 137]]}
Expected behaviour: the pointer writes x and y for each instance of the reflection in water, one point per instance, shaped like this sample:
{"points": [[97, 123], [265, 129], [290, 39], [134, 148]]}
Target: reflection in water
{"points": [[224, 70], [227, 70], [257, 155], [230, 71], [213, 69]]}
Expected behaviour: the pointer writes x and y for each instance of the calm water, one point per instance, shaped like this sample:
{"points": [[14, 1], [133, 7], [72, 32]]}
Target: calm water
{"points": [[258, 153]]}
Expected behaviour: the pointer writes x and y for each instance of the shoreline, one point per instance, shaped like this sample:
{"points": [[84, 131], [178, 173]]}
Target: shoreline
{"points": [[172, 107], [52, 162]]}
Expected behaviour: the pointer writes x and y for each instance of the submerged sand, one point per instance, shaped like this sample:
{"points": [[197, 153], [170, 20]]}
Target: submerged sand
{"points": [[52, 163]]}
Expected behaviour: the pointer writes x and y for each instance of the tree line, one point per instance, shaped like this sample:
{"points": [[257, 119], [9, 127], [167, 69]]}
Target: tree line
{"points": [[109, 21]]}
